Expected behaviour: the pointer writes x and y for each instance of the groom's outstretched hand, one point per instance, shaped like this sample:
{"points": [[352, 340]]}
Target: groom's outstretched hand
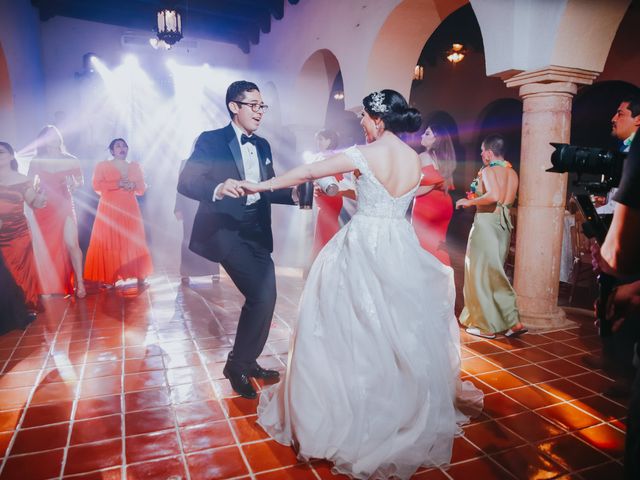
{"points": [[230, 188]]}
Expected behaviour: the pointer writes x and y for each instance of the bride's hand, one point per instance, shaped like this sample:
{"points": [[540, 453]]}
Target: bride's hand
{"points": [[252, 187]]}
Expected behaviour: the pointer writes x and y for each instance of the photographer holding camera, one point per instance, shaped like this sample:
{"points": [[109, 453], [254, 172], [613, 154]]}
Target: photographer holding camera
{"points": [[620, 257], [617, 261], [624, 125]]}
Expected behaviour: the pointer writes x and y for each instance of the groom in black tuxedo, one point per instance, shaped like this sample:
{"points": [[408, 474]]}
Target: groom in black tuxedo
{"points": [[235, 230]]}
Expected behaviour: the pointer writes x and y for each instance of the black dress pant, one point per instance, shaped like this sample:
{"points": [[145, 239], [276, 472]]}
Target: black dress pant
{"points": [[251, 268]]}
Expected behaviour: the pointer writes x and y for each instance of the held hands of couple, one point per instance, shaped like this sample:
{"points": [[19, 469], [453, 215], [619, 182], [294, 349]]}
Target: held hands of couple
{"points": [[238, 188]]}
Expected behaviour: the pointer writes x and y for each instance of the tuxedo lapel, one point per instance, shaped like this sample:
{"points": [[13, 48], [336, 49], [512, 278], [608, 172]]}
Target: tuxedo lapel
{"points": [[261, 161], [234, 146]]}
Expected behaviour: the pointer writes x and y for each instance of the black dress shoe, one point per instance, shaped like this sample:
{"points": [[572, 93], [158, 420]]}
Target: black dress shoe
{"points": [[241, 383], [259, 372]]}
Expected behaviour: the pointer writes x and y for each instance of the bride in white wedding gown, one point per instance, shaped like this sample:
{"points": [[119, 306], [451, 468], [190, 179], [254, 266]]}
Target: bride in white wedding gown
{"points": [[374, 361]]}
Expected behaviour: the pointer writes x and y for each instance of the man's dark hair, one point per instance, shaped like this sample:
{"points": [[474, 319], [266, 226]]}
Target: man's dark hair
{"points": [[495, 143], [634, 104], [237, 90]]}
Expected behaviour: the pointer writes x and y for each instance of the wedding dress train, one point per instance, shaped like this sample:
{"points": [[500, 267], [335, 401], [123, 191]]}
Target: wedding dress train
{"points": [[372, 382]]}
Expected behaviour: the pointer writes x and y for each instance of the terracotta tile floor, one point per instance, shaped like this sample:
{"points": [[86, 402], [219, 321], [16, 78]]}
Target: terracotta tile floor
{"points": [[128, 384]]}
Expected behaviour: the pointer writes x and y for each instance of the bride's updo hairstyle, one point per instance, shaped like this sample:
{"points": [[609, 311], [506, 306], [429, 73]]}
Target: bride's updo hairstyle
{"points": [[391, 107]]}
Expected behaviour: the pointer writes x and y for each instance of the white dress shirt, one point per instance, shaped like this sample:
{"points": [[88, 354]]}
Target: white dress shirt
{"points": [[250, 163]]}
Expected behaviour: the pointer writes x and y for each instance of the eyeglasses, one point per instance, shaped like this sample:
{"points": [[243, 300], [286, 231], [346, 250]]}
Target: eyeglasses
{"points": [[255, 107]]}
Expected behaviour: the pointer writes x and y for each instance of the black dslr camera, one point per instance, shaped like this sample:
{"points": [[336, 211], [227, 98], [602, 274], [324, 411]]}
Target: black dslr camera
{"points": [[608, 165]]}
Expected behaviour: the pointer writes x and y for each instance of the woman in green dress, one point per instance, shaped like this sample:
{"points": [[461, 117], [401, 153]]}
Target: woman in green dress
{"points": [[489, 298]]}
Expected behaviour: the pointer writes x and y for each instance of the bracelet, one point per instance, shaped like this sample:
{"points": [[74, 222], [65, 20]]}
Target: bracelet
{"points": [[271, 185]]}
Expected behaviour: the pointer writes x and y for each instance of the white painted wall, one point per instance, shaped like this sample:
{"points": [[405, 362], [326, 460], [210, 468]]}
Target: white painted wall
{"points": [[20, 40]]}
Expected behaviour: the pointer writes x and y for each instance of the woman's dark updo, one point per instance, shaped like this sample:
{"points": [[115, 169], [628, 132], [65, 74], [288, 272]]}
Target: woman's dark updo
{"points": [[391, 107]]}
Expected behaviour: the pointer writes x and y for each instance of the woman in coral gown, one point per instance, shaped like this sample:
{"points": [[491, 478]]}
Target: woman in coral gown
{"points": [[328, 207], [433, 207], [60, 261], [118, 247], [15, 236], [373, 381]]}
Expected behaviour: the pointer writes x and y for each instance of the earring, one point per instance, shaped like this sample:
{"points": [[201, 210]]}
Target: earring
{"points": [[377, 126]]}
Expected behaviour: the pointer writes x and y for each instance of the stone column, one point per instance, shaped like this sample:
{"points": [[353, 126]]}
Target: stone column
{"points": [[547, 98]]}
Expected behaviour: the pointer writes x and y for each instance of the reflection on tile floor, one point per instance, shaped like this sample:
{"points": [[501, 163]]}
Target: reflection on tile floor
{"points": [[128, 384]]}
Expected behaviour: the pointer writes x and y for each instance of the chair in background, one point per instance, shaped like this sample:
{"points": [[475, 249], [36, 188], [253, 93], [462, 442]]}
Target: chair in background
{"points": [[582, 270]]}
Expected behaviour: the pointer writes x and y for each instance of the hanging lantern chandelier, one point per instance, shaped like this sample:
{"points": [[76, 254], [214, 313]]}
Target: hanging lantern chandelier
{"points": [[457, 53], [169, 27]]}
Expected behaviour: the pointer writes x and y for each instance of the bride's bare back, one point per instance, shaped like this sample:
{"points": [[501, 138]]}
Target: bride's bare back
{"points": [[394, 164]]}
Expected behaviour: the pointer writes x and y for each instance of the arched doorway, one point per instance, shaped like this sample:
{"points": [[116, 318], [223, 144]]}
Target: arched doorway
{"points": [[313, 86], [501, 117]]}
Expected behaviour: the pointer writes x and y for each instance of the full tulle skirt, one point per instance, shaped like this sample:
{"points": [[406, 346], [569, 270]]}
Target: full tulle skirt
{"points": [[372, 382]]}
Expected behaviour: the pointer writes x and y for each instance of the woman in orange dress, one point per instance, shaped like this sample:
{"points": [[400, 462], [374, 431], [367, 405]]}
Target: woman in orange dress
{"points": [[433, 206], [15, 237], [118, 247], [60, 261]]}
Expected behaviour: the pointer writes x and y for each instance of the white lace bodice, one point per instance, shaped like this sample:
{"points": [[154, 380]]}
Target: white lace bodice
{"points": [[373, 198]]}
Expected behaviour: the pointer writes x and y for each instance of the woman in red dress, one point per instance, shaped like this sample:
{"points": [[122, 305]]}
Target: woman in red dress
{"points": [[328, 206], [118, 247], [433, 207], [15, 236], [60, 262]]}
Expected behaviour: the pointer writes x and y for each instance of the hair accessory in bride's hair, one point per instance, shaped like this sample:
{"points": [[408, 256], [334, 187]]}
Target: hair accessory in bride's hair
{"points": [[377, 103]]}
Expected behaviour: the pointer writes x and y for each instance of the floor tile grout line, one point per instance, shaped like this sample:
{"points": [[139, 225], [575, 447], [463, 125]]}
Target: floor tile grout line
{"points": [[530, 384], [526, 383], [508, 449], [27, 403], [123, 412], [565, 430], [561, 402], [219, 398], [13, 350], [74, 405], [176, 424]]}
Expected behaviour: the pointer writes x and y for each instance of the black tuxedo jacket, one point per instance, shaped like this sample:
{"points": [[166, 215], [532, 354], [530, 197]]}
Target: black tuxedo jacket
{"points": [[215, 158]]}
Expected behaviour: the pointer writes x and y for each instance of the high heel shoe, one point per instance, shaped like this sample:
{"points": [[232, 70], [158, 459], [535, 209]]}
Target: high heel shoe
{"points": [[81, 292]]}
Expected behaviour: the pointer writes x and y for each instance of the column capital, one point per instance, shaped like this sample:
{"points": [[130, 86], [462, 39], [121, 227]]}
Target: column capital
{"points": [[553, 74], [562, 89]]}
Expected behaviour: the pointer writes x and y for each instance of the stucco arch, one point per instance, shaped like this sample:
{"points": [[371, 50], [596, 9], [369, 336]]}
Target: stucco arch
{"points": [[524, 36], [595, 26], [312, 87], [502, 116], [398, 44]]}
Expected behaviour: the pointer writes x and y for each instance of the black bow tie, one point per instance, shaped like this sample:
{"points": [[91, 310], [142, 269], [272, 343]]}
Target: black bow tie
{"points": [[244, 139]]}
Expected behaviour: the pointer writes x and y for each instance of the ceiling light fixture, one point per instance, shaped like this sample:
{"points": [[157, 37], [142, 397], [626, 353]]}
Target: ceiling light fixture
{"points": [[457, 53], [169, 26]]}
